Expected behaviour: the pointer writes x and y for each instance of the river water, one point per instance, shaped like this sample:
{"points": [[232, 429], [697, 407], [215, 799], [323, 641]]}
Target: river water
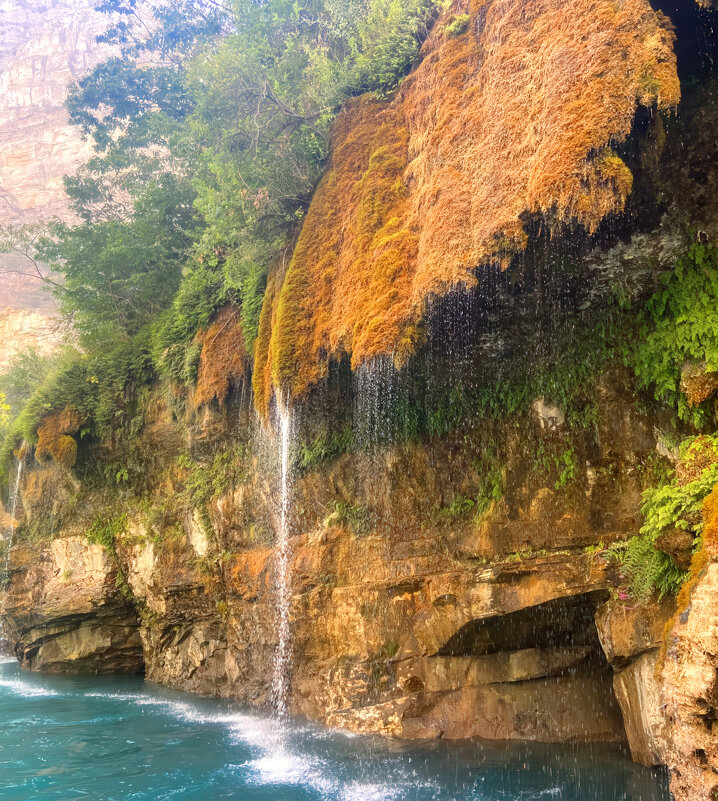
{"points": [[121, 739]]}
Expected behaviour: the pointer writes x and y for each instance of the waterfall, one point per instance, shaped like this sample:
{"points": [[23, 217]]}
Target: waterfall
{"points": [[376, 393], [14, 497], [7, 543], [283, 653]]}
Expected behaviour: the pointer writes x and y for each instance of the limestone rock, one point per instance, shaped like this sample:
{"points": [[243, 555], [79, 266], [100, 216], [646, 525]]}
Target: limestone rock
{"points": [[628, 630], [45, 46], [698, 383], [64, 613], [639, 695], [690, 691], [550, 416], [678, 544], [448, 673]]}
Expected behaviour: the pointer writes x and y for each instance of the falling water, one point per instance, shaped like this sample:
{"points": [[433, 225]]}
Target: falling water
{"points": [[283, 653], [7, 542], [14, 498], [376, 392]]}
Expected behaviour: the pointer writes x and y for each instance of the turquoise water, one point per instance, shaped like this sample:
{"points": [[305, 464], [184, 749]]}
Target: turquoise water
{"points": [[110, 739]]}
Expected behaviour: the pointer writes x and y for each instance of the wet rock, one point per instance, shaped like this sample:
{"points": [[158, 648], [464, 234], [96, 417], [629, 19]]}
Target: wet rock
{"points": [[627, 630], [64, 612], [559, 709], [549, 416], [639, 696], [631, 635], [690, 692], [678, 544], [448, 673]]}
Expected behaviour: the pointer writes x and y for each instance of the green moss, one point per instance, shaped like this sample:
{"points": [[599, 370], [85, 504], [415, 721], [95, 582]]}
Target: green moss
{"points": [[359, 519], [105, 528], [646, 567], [203, 481], [324, 448], [679, 323], [458, 24], [568, 469]]}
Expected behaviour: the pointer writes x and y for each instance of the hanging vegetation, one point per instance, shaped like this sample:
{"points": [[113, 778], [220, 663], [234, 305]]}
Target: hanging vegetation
{"points": [[513, 113]]}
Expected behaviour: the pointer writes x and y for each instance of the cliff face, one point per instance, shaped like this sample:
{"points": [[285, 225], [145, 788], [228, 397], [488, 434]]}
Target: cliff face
{"points": [[407, 619], [45, 45], [449, 571], [27, 314], [513, 110]]}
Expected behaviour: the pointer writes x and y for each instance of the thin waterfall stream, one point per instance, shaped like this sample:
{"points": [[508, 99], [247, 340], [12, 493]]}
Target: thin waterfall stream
{"points": [[283, 653], [14, 497], [7, 541]]}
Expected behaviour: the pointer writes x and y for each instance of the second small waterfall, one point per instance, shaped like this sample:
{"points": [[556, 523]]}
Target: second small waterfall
{"points": [[283, 653], [14, 498], [6, 538]]}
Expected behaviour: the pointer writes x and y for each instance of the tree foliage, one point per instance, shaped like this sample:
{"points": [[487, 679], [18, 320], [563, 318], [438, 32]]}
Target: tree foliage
{"points": [[118, 275], [210, 126]]}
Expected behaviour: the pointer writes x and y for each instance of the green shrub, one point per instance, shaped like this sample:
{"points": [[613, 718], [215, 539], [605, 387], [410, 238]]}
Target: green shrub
{"points": [[646, 567], [459, 24], [104, 530], [323, 449], [101, 388], [174, 351], [203, 482], [358, 519], [460, 507], [568, 469]]}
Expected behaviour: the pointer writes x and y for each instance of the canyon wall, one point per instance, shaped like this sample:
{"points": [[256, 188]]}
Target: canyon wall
{"points": [[451, 566], [45, 45]]}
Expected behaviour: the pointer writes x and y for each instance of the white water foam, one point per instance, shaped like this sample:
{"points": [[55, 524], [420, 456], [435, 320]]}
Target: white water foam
{"points": [[26, 690], [275, 762]]}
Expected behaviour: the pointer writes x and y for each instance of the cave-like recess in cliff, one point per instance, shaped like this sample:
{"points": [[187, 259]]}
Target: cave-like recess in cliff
{"points": [[559, 623]]}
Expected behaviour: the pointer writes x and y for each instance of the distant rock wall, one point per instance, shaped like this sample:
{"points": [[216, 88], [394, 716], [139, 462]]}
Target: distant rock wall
{"points": [[45, 45]]}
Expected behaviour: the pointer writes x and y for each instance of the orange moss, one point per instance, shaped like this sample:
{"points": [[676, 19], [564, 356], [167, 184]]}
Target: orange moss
{"points": [[262, 375], [224, 360], [710, 523], [707, 553], [514, 116], [54, 440], [65, 451]]}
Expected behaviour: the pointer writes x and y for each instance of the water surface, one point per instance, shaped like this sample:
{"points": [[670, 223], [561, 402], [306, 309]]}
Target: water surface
{"points": [[121, 739]]}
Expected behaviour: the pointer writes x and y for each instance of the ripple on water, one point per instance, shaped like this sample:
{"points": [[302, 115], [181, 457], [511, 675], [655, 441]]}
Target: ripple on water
{"points": [[25, 689], [64, 738]]}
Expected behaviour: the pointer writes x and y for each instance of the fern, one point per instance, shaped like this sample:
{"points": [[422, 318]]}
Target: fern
{"points": [[680, 323], [647, 568]]}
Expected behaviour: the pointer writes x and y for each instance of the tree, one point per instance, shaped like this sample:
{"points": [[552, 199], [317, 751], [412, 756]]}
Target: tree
{"points": [[25, 373], [118, 275], [265, 97]]}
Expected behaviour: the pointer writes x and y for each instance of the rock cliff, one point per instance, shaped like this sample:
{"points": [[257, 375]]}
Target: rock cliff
{"points": [[450, 564], [45, 46]]}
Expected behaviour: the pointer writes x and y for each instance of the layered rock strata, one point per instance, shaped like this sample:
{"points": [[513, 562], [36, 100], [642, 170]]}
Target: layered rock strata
{"points": [[65, 611]]}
